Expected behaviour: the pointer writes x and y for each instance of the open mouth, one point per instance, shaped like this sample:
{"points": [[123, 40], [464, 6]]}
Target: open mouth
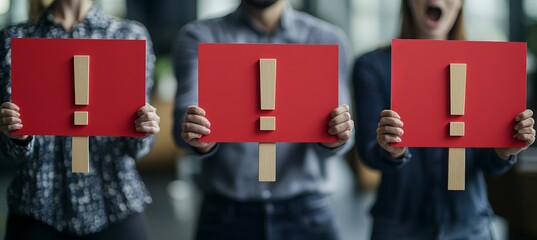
{"points": [[434, 13]]}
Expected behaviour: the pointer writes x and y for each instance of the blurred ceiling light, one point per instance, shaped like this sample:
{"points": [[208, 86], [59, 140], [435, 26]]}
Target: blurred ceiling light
{"points": [[4, 6]]}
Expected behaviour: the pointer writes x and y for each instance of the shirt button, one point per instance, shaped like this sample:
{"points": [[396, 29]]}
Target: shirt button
{"points": [[266, 194]]}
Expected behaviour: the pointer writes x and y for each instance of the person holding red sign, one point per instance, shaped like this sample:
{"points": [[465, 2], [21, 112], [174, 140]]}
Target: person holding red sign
{"points": [[45, 199], [412, 200], [236, 205]]}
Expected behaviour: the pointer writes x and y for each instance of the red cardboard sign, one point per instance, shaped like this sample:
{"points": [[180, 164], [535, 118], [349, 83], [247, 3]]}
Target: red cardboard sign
{"points": [[306, 91], [42, 78], [495, 91]]}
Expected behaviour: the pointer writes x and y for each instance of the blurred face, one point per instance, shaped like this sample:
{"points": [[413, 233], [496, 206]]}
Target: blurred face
{"points": [[261, 4], [434, 18]]}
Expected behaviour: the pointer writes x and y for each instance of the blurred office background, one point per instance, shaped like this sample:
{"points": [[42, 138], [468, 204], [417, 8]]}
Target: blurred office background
{"points": [[168, 171]]}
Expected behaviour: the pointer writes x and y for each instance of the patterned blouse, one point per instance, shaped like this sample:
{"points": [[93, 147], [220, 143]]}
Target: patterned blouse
{"points": [[44, 187]]}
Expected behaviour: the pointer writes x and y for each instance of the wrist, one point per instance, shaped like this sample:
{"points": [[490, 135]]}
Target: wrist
{"points": [[331, 145], [398, 154], [205, 149], [501, 154], [22, 141]]}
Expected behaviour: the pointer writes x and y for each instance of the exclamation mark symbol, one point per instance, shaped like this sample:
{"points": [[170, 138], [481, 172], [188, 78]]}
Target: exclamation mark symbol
{"points": [[80, 144], [267, 151], [456, 156]]}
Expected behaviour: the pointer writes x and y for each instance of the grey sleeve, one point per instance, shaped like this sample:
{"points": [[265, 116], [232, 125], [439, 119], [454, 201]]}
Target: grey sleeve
{"points": [[185, 65], [344, 52]]}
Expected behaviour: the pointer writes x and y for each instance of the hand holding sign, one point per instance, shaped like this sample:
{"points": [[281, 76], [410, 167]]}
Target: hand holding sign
{"points": [[10, 120], [194, 126], [340, 125], [524, 132], [390, 130]]}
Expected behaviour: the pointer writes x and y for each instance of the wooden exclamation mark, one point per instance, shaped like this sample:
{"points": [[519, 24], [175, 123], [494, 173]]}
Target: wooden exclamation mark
{"points": [[456, 156], [80, 144], [267, 151]]}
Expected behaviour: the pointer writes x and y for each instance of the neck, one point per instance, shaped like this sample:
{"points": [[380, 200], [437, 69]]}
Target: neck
{"points": [[267, 18], [432, 36], [69, 12]]}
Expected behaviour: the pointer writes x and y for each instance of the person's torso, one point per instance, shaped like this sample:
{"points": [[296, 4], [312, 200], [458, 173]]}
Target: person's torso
{"points": [[233, 170], [44, 186]]}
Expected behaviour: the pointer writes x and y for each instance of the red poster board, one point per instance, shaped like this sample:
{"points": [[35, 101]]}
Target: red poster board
{"points": [[495, 91], [42, 78], [306, 91]]}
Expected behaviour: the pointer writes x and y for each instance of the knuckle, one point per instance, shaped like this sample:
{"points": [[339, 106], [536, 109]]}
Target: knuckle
{"points": [[188, 118], [332, 122], [384, 120], [184, 126], [343, 137], [190, 109], [184, 136], [190, 135], [189, 126], [346, 135]]}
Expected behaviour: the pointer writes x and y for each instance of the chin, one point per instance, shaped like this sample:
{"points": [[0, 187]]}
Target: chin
{"points": [[260, 3]]}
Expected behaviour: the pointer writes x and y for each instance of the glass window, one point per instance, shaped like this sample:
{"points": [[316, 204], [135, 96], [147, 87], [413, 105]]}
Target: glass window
{"points": [[215, 8], [488, 21]]}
